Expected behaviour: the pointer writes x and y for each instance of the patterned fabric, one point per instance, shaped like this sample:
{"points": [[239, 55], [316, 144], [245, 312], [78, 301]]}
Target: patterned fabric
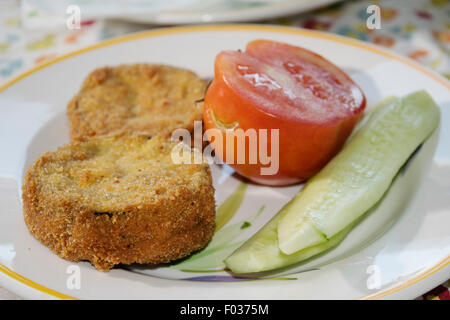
{"points": [[419, 29], [441, 292]]}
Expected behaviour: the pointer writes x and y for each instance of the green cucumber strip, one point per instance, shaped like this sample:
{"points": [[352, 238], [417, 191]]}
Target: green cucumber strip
{"points": [[262, 253], [212, 261], [230, 206], [220, 247], [356, 179]]}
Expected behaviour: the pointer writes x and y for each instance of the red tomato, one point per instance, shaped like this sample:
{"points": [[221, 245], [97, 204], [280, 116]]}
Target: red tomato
{"points": [[273, 85]]}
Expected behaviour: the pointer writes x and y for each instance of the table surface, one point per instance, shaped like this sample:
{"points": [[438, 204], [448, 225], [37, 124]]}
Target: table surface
{"points": [[419, 29]]}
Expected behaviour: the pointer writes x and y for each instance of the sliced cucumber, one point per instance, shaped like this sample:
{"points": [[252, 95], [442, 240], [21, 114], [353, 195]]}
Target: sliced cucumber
{"points": [[321, 215], [262, 253], [361, 173]]}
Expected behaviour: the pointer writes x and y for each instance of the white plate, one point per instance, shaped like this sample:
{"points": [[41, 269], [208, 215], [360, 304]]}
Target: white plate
{"points": [[404, 243], [214, 11]]}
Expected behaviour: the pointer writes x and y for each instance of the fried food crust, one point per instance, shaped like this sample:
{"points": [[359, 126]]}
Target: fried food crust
{"points": [[119, 200], [139, 98]]}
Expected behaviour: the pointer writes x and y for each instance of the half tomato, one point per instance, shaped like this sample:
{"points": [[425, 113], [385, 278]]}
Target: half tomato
{"points": [[313, 104]]}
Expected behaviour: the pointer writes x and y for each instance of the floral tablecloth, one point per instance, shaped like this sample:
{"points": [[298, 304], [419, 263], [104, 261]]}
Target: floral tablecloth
{"points": [[419, 29]]}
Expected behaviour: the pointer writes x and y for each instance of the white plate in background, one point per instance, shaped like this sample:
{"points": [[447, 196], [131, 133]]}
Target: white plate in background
{"points": [[218, 11]]}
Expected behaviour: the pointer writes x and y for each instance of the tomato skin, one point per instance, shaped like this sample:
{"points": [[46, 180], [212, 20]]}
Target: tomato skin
{"points": [[304, 146]]}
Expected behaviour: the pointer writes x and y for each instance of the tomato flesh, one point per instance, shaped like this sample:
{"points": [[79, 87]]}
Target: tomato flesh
{"points": [[272, 85]]}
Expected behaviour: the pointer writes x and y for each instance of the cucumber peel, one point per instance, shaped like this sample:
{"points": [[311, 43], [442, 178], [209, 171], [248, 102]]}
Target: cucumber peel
{"points": [[321, 215], [261, 252]]}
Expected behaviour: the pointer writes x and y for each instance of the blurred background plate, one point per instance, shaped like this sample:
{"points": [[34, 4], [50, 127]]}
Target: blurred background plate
{"points": [[215, 11]]}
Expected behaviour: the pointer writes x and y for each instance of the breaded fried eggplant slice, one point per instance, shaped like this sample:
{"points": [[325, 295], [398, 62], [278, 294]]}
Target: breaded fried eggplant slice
{"points": [[139, 98], [119, 200]]}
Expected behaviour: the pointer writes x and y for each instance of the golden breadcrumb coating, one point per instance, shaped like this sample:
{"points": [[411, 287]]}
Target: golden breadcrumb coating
{"points": [[139, 98], [119, 200]]}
